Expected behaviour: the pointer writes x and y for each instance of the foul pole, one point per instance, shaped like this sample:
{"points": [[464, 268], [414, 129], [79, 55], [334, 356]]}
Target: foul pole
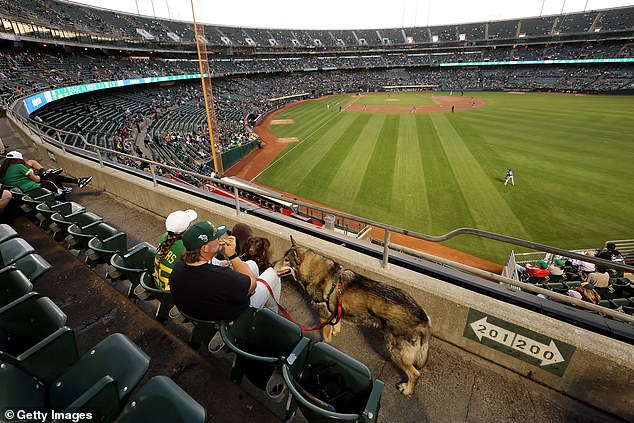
{"points": [[205, 77]]}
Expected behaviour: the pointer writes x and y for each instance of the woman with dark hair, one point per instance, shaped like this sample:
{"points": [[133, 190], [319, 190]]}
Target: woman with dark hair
{"points": [[30, 174], [170, 246]]}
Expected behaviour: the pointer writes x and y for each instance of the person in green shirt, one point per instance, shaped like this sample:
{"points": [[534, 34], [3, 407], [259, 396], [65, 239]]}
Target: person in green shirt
{"points": [[171, 246], [30, 174]]}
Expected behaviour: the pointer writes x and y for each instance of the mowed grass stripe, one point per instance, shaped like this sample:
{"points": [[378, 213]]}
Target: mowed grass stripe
{"points": [[343, 189], [332, 158], [409, 195], [289, 171], [448, 209], [376, 189], [488, 208]]}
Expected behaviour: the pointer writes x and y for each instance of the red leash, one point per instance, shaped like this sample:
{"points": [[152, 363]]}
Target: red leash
{"points": [[336, 317]]}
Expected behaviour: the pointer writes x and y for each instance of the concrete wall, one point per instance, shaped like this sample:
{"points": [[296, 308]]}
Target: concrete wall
{"points": [[600, 370]]}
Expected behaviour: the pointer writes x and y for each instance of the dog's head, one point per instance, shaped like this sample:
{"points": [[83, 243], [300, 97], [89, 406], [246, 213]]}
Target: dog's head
{"points": [[242, 232], [291, 263], [258, 247]]}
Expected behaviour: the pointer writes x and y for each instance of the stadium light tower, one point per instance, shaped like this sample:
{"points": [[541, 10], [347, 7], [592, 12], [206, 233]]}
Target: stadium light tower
{"points": [[205, 77]]}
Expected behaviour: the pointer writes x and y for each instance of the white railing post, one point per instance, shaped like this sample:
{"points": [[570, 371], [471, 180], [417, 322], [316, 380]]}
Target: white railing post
{"points": [[386, 248]]}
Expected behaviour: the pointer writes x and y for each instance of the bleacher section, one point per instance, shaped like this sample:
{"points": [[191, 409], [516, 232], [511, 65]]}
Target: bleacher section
{"points": [[43, 352]]}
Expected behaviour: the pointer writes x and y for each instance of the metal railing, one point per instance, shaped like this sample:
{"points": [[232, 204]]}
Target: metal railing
{"points": [[98, 153]]}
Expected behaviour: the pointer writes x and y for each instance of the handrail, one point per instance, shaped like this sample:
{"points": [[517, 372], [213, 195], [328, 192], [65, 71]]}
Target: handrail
{"points": [[523, 285], [386, 227]]}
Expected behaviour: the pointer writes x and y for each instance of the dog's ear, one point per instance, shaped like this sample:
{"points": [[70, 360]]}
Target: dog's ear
{"points": [[267, 243], [293, 243]]}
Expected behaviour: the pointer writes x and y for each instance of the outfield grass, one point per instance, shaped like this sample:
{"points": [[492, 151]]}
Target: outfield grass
{"points": [[572, 158]]}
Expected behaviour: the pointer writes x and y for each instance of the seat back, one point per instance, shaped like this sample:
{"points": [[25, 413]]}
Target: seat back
{"points": [[7, 232], [65, 209], [260, 339], [14, 249], [98, 230], [328, 385], [204, 330], [162, 400], [27, 321], [81, 219], [19, 390], [13, 285], [102, 250], [165, 298], [33, 266], [136, 261], [115, 357]]}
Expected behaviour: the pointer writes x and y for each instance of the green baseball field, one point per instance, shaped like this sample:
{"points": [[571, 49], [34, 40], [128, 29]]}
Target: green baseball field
{"points": [[407, 160]]}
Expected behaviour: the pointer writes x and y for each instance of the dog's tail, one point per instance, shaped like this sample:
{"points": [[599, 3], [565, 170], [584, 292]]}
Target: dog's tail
{"points": [[422, 353]]}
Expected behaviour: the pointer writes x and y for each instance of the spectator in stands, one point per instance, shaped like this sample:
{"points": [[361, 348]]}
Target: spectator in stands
{"points": [[584, 266], [27, 175], [600, 279], [588, 293], [557, 267], [208, 292], [5, 198], [612, 254], [171, 247]]}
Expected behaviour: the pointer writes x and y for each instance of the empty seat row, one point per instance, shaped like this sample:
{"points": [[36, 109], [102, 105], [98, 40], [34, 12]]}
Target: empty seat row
{"points": [[41, 369], [16, 253]]}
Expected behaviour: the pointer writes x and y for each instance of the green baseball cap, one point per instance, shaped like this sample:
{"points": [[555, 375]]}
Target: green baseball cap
{"points": [[201, 233]]}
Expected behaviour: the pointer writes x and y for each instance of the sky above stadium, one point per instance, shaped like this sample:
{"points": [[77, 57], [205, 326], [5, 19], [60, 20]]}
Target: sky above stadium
{"points": [[349, 14]]}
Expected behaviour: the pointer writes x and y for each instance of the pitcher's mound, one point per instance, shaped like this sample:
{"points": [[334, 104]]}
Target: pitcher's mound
{"points": [[282, 121]]}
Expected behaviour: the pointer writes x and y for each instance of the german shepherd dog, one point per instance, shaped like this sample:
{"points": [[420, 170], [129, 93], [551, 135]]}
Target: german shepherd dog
{"points": [[406, 326]]}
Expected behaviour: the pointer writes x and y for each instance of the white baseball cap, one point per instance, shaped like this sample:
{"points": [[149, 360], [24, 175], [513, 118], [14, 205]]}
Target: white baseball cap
{"points": [[178, 222], [14, 155]]}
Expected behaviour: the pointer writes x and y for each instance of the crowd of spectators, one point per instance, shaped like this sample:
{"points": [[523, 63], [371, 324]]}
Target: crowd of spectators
{"points": [[40, 18]]}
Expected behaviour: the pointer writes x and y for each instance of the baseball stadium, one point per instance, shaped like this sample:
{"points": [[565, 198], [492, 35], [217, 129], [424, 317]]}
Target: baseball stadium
{"points": [[444, 207]]}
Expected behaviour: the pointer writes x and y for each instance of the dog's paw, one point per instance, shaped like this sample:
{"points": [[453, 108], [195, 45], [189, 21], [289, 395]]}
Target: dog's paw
{"points": [[405, 389], [327, 334]]}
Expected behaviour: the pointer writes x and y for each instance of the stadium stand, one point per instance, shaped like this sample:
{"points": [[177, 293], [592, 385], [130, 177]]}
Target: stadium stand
{"points": [[175, 124]]}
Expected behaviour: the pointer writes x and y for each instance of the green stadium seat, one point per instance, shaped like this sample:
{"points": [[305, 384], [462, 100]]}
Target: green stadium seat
{"points": [[33, 266], [260, 339], [555, 278], [99, 382], [14, 249], [132, 264], [161, 400], [45, 211], [330, 386], [33, 336], [205, 332], [573, 285], [32, 198], [147, 291], [7, 232], [13, 285], [620, 302], [102, 250], [61, 223], [557, 287], [78, 237]]}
